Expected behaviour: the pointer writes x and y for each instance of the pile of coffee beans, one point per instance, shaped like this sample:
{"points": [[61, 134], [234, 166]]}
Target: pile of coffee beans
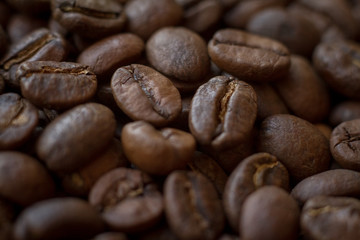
{"points": [[179, 119]]}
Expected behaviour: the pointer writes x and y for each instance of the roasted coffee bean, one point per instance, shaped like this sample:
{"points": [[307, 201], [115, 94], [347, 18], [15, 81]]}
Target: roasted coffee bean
{"points": [[56, 85], [39, 45], [110, 236], [58, 218], [312, 101], [253, 172], [178, 53], [345, 144], [192, 207], [337, 182], [248, 56], [80, 182], [92, 19], [339, 65], [270, 213], [223, 112], [157, 151], [18, 118], [144, 17], [344, 111], [127, 199], [145, 94], [298, 144], [23, 180], [108, 54], [72, 139], [331, 218], [279, 24]]}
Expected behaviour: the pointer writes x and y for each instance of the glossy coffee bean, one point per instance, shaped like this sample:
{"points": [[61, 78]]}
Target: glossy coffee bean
{"points": [[157, 151], [127, 199], [298, 144], [223, 112], [192, 207], [248, 56], [88, 17], [18, 119], [338, 182], [145, 94], [331, 218], [345, 144], [344, 111], [178, 53], [56, 85], [23, 180], [72, 139], [108, 54], [58, 218], [252, 173], [270, 213], [339, 65]]}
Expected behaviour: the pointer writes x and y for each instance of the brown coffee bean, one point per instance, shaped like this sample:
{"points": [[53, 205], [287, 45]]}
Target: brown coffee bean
{"points": [[178, 53], [127, 199], [145, 94], [298, 144], [73, 138], [108, 54], [80, 182], [58, 218], [331, 218], [248, 56], [344, 111], [253, 172], [223, 112], [56, 85], [312, 101], [345, 144], [39, 45], [339, 65], [192, 207], [337, 182], [23, 180], [144, 17], [18, 119], [270, 213], [157, 151], [92, 19]]}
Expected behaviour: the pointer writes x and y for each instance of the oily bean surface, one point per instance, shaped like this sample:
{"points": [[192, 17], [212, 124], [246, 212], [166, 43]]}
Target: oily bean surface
{"points": [[145, 94], [73, 138], [56, 85], [192, 207]]}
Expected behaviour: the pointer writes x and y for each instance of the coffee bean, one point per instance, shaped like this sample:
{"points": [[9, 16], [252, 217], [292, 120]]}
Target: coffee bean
{"points": [[269, 213], [253, 172], [58, 218], [73, 138], [145, 94], [298, 144], [56, 85], [178, 53], [248, 56], [92, 19], [23, 180], [331, 218], [192, 207], [344, 111], [339, 65], [127, 199], [108, 54], [222, 112], [338, 182], [157, 151], [344, 144], [39, 45], [18, 118]]}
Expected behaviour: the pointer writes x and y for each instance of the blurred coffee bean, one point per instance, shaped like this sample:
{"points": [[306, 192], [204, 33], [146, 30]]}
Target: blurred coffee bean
{"points": [[344, 111]]}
